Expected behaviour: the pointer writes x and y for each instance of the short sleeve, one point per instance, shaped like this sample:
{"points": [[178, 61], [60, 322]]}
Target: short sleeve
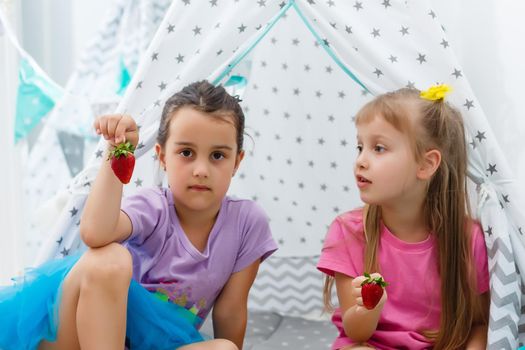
{"points": [[342, 250], [479, 250], [256, 237], [145, 209]]}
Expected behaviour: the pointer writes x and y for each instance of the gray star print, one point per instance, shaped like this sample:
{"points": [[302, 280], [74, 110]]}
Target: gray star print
{"points": [[469, 104]]}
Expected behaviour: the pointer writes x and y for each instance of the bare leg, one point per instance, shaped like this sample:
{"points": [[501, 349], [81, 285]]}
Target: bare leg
{"points": [[215, 344], [94, 299]]}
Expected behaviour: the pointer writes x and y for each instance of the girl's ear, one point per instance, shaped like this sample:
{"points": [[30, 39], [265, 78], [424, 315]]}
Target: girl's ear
{"points": [[429, 164], [161, 156], [238, 159]]}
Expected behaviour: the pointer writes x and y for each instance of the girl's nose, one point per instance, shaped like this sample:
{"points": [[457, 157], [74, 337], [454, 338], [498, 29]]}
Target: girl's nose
{"points": [[361, 161], [201, 168]]}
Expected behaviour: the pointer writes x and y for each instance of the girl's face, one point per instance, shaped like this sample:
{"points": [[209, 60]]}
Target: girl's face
{"points": [[385, 168], [200, 158]]}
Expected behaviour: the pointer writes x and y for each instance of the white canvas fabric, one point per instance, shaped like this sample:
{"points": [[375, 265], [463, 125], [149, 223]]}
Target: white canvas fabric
{"points": [[303, 68]]}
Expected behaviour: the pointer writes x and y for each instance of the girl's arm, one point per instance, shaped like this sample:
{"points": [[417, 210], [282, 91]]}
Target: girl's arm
{"points": [[478, 335], [359, 323], [230, 312], [102, 221]]}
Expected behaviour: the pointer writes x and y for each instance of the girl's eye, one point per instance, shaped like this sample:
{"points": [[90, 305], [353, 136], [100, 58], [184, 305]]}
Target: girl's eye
{"points": [[217, 156], [359, 148], [186, 153], [379, 148]]}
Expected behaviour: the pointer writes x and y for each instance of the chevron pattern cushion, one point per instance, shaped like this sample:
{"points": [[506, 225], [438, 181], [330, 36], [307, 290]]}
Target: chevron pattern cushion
{"points": [[289, 286]]}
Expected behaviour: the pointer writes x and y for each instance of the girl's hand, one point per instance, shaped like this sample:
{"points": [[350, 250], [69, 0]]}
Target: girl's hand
{"points": [[356, 293], [117, 128]]}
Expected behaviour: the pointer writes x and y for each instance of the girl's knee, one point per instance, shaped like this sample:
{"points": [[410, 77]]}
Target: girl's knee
{"points": [[111, 264], [224, 344], [215, 344]]}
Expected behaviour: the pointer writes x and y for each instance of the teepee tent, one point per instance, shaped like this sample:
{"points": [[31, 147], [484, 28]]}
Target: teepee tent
{"points": [[302, 69]]}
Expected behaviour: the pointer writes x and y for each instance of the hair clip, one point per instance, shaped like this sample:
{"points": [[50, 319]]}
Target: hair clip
{"points": [[237, 98], [436, 92]]}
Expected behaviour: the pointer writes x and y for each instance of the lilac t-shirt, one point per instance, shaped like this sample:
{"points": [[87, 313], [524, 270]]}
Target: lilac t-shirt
{"points": [[411, 269], [166, 262]]}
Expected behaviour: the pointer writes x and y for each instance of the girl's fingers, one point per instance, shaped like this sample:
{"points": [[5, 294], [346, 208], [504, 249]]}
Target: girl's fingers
{"points": [[103, 127], [96, 126], [356, 282], [112, 127], [120, 131]]}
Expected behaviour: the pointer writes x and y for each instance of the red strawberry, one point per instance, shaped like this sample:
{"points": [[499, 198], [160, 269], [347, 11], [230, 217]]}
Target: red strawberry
{"points": [[372, 290], [123, 161]]}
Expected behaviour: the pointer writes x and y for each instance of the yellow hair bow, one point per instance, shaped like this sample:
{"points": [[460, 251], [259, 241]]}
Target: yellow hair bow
{"points": [[436, 92]]}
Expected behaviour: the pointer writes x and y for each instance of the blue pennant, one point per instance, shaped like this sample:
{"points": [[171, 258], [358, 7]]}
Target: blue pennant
{"points": [[235, 85], [36, 97], [124, 78]]}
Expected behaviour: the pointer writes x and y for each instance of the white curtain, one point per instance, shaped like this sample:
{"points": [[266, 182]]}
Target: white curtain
{"points": [[10, 187]]}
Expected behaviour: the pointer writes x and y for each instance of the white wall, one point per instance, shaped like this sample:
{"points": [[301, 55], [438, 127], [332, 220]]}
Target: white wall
{"points": [[489, 39], [55, 32]]}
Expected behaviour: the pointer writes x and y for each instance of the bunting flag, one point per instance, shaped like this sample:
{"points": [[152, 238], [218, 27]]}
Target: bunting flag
{"points": [[124, 77], [37, 93], [73, 149], [236, 85], [36, 97]]}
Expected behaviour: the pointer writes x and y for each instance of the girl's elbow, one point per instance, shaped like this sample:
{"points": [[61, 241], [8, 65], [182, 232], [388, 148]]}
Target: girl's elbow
{"points": [[358, 337], [89, 236], [358, 332], [354, 334]]}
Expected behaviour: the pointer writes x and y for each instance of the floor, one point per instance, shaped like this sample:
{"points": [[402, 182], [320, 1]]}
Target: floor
{"points": [[271, 331]]}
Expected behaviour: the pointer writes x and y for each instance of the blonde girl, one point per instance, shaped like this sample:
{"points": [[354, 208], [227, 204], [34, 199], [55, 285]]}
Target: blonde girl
{"points": [[415, 231]]}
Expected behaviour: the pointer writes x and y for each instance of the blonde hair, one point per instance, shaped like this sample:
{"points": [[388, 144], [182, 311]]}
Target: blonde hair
{"points": [[432, 125]]}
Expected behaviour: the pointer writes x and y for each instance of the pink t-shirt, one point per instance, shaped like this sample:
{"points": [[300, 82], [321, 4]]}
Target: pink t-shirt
{"points": [[411, 269]]}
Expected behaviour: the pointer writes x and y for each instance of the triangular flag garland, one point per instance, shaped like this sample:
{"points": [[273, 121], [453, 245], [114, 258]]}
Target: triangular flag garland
{"points": [[37, 93], [36, 97], [236, 85], [73, 148], [124, 77]]}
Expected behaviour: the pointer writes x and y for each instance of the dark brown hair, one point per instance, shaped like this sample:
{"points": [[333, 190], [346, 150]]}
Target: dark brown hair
{"points": [[205, 97]]}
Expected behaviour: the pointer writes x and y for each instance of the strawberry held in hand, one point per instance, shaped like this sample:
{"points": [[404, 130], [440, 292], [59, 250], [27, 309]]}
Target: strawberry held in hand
{"points": [[123, 161], [372, 290]]}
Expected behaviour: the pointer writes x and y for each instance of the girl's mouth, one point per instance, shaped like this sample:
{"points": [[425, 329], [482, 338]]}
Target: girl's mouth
{"points": [[362, 181], [199, 188]]}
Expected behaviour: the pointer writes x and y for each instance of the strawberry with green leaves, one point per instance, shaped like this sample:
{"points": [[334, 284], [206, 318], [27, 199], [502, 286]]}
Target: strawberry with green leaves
{"points": [[123, 161], [372, 290]]}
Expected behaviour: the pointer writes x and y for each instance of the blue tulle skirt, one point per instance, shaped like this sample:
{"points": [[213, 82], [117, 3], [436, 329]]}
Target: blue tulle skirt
{"points": [[29, 312]]}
